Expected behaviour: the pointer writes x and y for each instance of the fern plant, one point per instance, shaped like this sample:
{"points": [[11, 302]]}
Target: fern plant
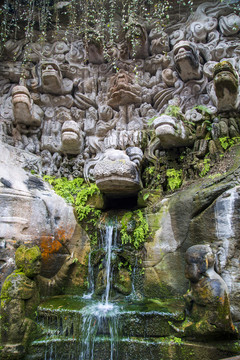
{"points": [[77, 193], [174, 179], [140, 232]]}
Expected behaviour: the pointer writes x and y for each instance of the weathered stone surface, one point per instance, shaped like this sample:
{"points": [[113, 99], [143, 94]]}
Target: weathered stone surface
{"points": [[207, 302], [203, 213], [117, 174], [31, 213], [72, 114], [20, 297]]}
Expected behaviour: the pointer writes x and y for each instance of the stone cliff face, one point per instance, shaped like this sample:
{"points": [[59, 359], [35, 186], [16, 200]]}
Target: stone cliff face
{"points": [[172, 104]]}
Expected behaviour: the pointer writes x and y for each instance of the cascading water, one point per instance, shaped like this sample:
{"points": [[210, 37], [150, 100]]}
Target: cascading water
{"points": [[101, 318], [90, 279]]}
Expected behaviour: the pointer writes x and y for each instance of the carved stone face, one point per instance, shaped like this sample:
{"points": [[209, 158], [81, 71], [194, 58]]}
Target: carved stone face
{"points": [[21, 105], [123, 90], [171, 132], [51, 77], [71, 139], [226, 86], [199, 259], [116, 175], [187, 61]]}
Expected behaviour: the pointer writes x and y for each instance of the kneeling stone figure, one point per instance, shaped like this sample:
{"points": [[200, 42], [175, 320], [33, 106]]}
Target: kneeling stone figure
{"points": [[20, 297], [207, 302]]}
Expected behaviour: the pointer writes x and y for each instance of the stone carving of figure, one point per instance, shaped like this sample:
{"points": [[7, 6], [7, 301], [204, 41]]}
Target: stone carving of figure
{"points": [[72, 137], [28, 118], [172, 132], [225, 86], [118, 171], [123, 90], [186, 59], [48, 78], [106, 121], [207, 302], [24, 111], [20, 297]]}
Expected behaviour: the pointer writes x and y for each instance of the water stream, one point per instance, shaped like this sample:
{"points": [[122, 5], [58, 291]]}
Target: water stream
{"points": [[101, 318]]}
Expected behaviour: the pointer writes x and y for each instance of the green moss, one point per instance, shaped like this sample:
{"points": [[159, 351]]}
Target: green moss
{"points": [[5, 298], [206, 165], [227, 142], [25, 255]]}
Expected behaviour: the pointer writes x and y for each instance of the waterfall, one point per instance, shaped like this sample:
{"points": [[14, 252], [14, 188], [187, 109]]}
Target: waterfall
{"points": [[101, 318], [90, 279]]}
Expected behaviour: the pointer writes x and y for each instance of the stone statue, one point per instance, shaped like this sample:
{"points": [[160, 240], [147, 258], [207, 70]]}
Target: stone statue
{"points": [[225, 87], [25, 112], [47, 77], [118, 171], [207, 303], [20, 297], [172, 132], [123, 90], [186, 59], [72, 138]]}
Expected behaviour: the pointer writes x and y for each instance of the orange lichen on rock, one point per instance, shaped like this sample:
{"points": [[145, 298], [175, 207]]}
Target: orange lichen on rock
{"points": [[49, 245]]}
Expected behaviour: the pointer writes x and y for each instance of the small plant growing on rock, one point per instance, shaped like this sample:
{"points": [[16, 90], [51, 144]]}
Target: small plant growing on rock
{"points": [[174, 179], [140, 231]]}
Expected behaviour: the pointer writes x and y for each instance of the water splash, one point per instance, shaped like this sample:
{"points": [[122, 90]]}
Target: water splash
{"points": [[99, 319]]}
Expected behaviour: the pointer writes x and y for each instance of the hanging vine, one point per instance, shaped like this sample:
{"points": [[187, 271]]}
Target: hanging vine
{"points": [[92, 20]]}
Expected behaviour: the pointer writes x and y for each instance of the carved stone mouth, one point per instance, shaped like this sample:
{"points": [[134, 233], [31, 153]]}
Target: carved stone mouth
{"points": [[49, 72], [164, 122], [69, 131], [224, 69], [49, 78], [118, 186], [183, 55], [225, 73]]}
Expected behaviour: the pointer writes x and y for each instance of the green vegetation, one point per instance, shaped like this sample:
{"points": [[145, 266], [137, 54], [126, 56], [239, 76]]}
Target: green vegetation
{"points": [[177, 340], [77, 193], [152, 178], [206, 166], [150, 121], [93, 21], [173, 110], [140, 231], [174, 179], [204, 109], [226, 142]]}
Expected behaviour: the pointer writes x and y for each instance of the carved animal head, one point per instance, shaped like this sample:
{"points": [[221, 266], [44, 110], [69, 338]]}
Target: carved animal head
{"points": [[71, 137], [123, 90], [116, 174], [21, 105]]}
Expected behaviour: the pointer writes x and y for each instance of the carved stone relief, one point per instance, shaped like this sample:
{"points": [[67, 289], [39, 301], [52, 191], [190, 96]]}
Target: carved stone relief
{"points": [[70, 111]]}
